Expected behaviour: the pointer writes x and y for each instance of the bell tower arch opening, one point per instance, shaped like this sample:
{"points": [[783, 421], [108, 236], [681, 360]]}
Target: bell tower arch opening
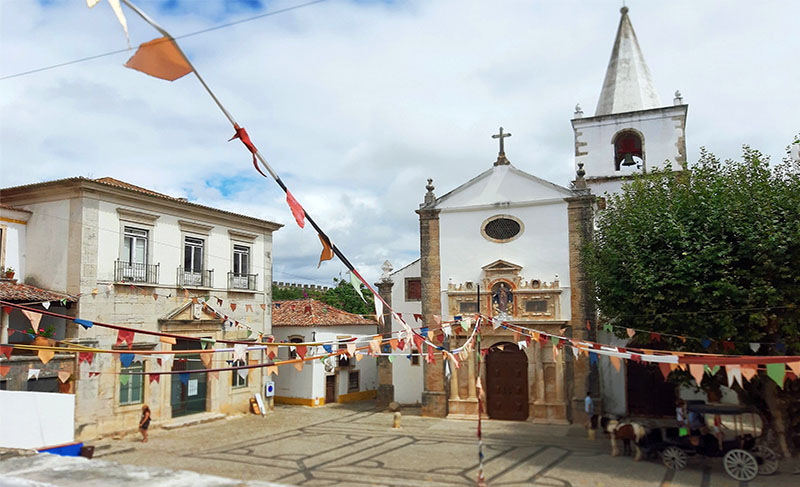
{"points": [[628, 149]]}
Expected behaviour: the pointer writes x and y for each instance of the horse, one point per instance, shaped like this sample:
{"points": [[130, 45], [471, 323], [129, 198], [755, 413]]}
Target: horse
{"points": [[626, 431]]}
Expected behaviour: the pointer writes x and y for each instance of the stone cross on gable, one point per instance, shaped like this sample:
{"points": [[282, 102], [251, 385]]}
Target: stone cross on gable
{"points": [[501, 156]]}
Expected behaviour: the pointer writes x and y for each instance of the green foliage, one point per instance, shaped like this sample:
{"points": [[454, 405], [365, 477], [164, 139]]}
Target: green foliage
{"points": [[712, 252], [342, 296]]}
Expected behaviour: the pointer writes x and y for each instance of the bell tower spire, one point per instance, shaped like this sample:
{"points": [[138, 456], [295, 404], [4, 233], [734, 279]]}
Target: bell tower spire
{"points": [[628, 85]]}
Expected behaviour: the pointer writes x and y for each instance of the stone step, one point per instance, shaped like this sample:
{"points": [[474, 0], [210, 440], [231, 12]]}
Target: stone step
{"points": [[191, 420]]}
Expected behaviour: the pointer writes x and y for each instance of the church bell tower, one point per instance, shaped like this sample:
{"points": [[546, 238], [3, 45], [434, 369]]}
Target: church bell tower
{"points": [[631, 131]]}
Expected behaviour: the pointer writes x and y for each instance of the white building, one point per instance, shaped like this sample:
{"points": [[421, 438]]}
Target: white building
{"points": [[407, 301], [336, 380], [136, 258], [507, 243]]}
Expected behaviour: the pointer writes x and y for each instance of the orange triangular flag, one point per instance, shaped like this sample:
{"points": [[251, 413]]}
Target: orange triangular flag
{"points": [[33, 317], [46, 355], [327, 251], [749, 371], [4, 369], [206, 359], [697, 371], [630, 332], [272, 369], [359, 356], [169, 340], [615, 362], [63, 375], [160, 58], [299, 365], [795, 366], [665, 369], [393, 343]]}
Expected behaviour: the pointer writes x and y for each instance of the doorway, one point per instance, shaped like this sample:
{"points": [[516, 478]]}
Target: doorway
{"points": [[507, 383], [648, 393], [330, 389], [188, 390]]}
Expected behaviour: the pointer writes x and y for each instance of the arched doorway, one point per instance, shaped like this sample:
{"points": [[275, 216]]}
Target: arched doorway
{"points": [[507, 383]]}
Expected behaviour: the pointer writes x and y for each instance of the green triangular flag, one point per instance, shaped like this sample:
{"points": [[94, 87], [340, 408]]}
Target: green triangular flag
{"points": [[391, 358], [356, 285], [249, 332], [710, 370], [777, 372], [124, 378], [464, 325], [554, 340], [205, 342], [608, 327]]}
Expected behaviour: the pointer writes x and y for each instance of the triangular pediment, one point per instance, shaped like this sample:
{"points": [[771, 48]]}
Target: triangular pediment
{"points": [[189, 311], [502, 266], [499, 185]]}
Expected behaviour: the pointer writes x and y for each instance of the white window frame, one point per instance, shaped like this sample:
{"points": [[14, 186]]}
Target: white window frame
{"points": [[134, 367]]}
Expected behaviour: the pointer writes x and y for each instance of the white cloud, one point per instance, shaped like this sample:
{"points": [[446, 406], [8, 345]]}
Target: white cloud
{"points": [[357, 104]]}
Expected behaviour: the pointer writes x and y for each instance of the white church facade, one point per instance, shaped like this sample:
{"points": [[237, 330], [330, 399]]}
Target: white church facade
{"points": [[507, 243]]}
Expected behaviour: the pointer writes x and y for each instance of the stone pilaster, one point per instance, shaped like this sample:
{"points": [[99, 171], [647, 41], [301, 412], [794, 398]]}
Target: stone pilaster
{"points": [[385, 385], [580, 217], [434, 398]]}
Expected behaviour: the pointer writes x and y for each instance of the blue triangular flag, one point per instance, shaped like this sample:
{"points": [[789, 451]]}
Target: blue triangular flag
{"points": [[592, 358], [423, 331], [705, 343], [184, 377], [86, 324], [126, 359], [328, 348], [457, 318], [780, 347]]}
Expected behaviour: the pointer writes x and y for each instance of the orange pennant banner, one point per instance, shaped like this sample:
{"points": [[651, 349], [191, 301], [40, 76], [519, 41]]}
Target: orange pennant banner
{"points": [[327, 251], [160, 58]]}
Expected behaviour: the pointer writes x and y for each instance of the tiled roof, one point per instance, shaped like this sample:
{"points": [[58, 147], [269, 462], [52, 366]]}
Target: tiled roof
{"points": [[310, 312], [107, 181], [11, 290]]}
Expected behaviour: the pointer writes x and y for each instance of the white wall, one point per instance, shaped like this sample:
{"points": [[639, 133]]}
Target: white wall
{"points": [[47, 242], [310, 382], [36, 419], [407, 378], [660, 131], [15, 248], [542, 250]]}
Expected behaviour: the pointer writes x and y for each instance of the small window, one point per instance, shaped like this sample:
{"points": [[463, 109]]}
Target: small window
{"points": [[415, 357], [193, 254], [627, 150], [352, 381], [344, 360], [49, 384], [241, 260], [236, 379], [133, 391], [294, 339], [468, 307], [536, 306], [413, 289], [502, 228]]}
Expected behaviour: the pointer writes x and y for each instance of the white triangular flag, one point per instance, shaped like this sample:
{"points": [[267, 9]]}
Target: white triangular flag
{"points": [[239, 351], [575, 351], [378, 309], [447, 329], [522, 344], [734, 373], [351, 348], [755, 346], [242, 373], [496, 322], [33, 373], [447, 369], [46, 305]]}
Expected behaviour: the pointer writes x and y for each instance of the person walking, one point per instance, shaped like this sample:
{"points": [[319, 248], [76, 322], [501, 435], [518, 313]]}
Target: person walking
{"points": [[144, 423], [591, 421]]}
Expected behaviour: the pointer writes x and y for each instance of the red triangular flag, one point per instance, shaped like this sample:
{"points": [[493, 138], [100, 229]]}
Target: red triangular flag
{"points": [[297, 210], [665, 370], [431, 357], [418, 317], [242, 135], [4, 370], [636, 358], [125, 336], [233, 306], [301, 350], [655, 337], [6, 350], [728, 346], [85, 357], [154, 377]]}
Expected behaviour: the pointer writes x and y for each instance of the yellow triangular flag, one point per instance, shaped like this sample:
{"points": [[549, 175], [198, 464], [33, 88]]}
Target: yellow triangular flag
{"points": [[299, 365], [272, 369], [697, 371], [46, 355], [615, 362], [63, 376]]}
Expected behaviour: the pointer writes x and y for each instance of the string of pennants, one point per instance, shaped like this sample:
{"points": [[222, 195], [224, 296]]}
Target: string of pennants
{"points": [[737, 367]]}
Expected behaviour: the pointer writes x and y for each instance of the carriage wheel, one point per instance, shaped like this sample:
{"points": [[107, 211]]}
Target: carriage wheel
{"points": [[740, 465], [768, 458], [674, 458]]}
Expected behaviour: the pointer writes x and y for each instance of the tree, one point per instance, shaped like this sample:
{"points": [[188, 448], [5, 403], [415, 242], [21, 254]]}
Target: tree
{"points": [[342, 296], [713, 252]]}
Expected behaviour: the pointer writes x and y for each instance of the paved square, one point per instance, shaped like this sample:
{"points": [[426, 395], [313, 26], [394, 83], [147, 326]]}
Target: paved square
{"points": [[354, 445]]}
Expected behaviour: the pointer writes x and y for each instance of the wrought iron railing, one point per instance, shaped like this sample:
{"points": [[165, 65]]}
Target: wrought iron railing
{"points": [[135, 272], [242, 281], [189, 278]]}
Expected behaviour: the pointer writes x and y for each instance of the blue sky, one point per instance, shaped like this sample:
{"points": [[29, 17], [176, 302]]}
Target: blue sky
{"points": [[357, 103]]}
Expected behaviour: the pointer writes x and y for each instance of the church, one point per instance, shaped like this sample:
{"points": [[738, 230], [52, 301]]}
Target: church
{"points": [[507, 243]]}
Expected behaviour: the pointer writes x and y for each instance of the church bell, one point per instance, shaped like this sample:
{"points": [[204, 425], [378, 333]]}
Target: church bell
{"points": [[628, 160]]}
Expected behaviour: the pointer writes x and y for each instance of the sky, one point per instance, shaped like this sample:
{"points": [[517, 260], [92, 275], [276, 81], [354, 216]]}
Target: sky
{"points": [[356, 103]]}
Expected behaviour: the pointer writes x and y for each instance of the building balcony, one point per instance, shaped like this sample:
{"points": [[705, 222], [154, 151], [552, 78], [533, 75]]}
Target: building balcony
{"points": [[246, 282], [189, 278], [135, 272]]}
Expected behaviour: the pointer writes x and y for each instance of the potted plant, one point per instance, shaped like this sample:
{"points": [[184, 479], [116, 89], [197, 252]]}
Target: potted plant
{"points": [[8, 272], [43, 337]]}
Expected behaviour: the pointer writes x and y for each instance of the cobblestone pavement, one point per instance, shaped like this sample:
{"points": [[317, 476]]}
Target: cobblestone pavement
{"points": [[354, 445]]}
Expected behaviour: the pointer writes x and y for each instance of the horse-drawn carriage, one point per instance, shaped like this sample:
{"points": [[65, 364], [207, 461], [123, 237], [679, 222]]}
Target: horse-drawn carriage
{"points": [[742, 456]]}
